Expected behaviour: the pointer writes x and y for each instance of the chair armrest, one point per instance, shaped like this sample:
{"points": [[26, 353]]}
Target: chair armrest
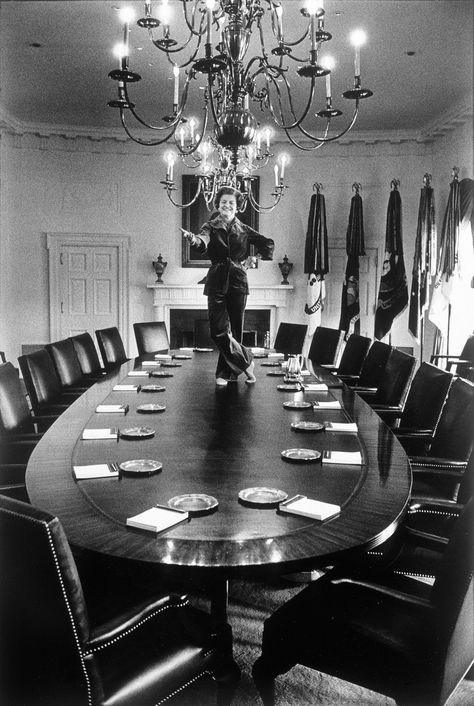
{"points": [[369, 391], [417, 434], [43, 421], [436, 505], [104, 635], [433, 463], [327, 366], [386, 591], [390, 410], [349, 378], [426, 540]]}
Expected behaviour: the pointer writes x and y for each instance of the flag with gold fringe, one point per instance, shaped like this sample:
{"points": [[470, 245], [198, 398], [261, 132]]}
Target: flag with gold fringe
{"points": [[350, 303], [315, 264]]}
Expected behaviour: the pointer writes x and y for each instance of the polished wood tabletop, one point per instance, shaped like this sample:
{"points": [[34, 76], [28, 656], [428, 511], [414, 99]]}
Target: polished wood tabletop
{"points": [[219, 441]]}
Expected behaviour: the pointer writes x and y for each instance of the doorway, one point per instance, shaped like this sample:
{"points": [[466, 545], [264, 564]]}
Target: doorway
{"points": [[88, 283]]}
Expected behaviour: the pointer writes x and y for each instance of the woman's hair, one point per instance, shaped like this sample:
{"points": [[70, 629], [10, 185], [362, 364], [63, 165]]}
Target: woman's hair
{"points": [[230, 191]]}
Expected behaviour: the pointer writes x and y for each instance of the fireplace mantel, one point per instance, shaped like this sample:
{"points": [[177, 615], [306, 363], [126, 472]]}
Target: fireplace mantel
{"points": [[272, 297]]}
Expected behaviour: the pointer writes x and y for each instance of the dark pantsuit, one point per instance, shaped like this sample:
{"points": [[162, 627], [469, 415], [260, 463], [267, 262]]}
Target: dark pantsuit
{"points": [[226, 321]]}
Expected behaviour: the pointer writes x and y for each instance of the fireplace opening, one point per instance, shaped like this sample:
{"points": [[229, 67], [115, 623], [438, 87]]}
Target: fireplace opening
{"points": [[190, 327]]}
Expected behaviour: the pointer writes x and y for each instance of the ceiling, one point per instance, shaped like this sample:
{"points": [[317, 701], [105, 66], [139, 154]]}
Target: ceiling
{"points": [[55, 58]]}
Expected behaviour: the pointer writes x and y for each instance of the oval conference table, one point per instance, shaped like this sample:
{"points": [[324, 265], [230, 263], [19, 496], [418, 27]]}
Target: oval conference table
{"points": [[219, 441]]}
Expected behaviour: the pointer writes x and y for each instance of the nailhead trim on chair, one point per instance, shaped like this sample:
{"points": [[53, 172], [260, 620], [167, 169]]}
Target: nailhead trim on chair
{"points": [[433, 512], [447, 466], [63, 590], [132, 629], [206, 672]]}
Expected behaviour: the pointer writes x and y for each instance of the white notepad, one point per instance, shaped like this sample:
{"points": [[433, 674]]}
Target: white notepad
{"points": [[351, 457], [307, 507], [151, 363], [315, 387], [100, 433], [276, 355], [138, 374], [157, 519], [333, 404], [112, 408], [163, 356], [341, 426], [125, 388], [98, 470]]}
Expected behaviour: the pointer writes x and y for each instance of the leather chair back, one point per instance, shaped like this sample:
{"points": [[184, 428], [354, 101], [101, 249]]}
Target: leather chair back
{"points": [[151, 337], [374, 364], [454, 435], [426, 397], [66, 362], [290, 338], [353, 355], [43, 615], [111, 347], [466, 369], [325, 346], [395, 383], [40, 377], [87, 354], [14, 411]]}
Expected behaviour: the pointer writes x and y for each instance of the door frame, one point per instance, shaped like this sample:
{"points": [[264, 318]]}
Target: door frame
{"points": [[56, 241]]}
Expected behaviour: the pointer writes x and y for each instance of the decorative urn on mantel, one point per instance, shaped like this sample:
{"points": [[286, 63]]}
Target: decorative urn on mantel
{"points": [[285, 269], [159, 267]]}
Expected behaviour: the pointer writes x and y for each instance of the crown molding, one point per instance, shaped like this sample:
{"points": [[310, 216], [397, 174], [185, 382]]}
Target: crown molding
{"points": [[458, 114]]}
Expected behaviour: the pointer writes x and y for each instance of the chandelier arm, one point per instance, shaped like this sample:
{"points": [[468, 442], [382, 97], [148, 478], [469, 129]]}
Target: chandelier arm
{"points": [[190, 25], [177, 117], [298, 41], [184, 205], [319, 143], [297, 122], [264, 209], [139, 140], [334, 137]]}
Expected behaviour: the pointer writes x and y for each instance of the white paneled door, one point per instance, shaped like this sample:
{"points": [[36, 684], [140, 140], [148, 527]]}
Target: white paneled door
{"points": [[368, 284], [88, 283]]}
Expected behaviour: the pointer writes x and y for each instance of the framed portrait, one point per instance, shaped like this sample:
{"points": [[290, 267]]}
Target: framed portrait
{"points": [[197, 214]]}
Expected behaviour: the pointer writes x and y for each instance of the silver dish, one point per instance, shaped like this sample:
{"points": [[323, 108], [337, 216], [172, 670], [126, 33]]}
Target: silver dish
{"points": [[153, 388], [182, 356], [289, 387], [262, 497], [159, 374], [194, 503], [308, 426], [204, 350], [301, 455], [150, 408], [141, 466], [137, 433], [295, 404]]}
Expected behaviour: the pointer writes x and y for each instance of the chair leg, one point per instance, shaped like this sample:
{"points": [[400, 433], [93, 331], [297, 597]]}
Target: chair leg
{"points": [[264, 681]]}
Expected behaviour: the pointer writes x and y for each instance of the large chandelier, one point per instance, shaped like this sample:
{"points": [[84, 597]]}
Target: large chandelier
{"points": [[219, 33]]}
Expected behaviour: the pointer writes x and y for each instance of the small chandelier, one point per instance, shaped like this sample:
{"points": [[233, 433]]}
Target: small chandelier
{"points": [[237, 147]]}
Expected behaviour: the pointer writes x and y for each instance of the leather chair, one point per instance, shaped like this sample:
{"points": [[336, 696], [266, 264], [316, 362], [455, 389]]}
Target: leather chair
{"points": [[151, 337], [426, 397], [388, 633], [373, 367], [111, 347], [143, 648], [64, 356], [87, 355], [326, 346], [393, 388], [353, 356], [290, 338], [463, 363], [441, 461], [20, 431], [46, 394]]}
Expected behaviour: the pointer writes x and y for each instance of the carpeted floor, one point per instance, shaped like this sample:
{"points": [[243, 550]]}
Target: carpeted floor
{"points": [[249, 604]]}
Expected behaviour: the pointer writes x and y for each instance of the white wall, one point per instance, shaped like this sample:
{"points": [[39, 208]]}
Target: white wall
{"points": [[76, 184]]}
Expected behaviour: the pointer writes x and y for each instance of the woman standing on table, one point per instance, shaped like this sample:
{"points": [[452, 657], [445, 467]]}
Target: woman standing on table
{"points": [[226, 241]]}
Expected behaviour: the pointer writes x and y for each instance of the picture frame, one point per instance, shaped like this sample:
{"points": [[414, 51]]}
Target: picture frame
{"points": [[197, 214]]}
